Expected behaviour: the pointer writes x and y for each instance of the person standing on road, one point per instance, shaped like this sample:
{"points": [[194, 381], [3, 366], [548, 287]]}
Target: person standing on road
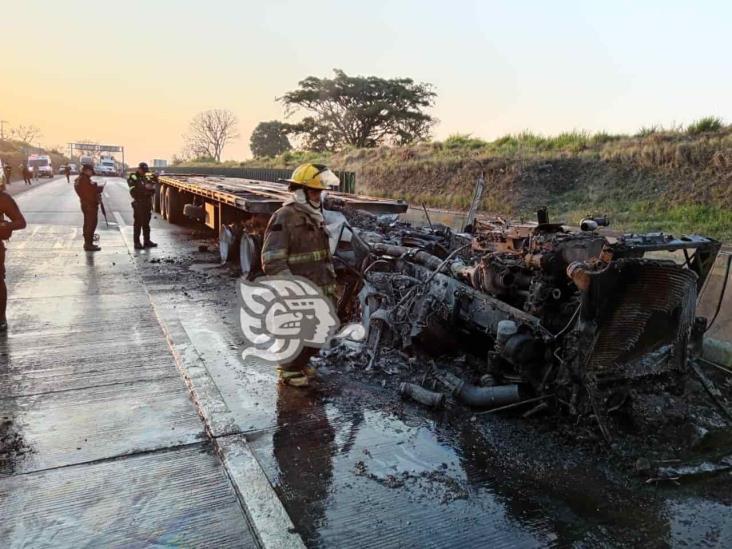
{"points": [[142, 189], [26, 174], [7, 172], [296, 243], [67, 172], [88, 192], [9, 208]]}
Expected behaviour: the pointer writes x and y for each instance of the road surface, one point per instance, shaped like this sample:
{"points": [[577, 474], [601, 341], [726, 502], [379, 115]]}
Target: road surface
{"points": [[95, 395], [102, 444]]}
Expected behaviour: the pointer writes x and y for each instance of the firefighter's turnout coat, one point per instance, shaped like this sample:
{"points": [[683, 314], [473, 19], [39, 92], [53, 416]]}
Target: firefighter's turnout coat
{"points": [[296, 242]]}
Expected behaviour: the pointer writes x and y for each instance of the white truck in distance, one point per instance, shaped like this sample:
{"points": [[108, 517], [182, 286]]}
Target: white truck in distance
{"points": [[106, 166], [41, 165]]}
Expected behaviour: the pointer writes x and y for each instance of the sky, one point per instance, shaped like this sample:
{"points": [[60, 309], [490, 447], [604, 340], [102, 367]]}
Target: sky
{"points": [[134, 73]]}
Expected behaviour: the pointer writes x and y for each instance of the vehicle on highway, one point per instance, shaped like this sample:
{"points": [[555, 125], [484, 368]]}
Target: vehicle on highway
{"points": [[106, 166], [61, 169], [86, 160], [74, 168], [40, 165]]}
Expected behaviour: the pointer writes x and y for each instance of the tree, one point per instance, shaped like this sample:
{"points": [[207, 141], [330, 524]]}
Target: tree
{"points": [[209, 132], [270, 138], [360, 111], [25, 134]]}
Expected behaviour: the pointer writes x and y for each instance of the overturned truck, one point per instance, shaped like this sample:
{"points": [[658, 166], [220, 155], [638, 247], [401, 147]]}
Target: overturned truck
{"points": [[550, 311]]}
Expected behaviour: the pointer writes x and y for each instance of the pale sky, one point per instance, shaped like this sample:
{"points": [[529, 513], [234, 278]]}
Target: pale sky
{"points": [[135, 72]]}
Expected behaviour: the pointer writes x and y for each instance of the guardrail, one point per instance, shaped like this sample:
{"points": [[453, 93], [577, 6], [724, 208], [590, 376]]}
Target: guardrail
{"points": [[348, 179]]}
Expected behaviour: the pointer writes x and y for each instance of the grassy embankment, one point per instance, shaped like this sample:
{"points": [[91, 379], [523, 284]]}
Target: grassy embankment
{"points": [[677, 180]]}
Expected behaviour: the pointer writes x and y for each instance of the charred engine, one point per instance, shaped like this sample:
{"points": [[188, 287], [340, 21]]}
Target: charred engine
{"points": [[550, 309]]}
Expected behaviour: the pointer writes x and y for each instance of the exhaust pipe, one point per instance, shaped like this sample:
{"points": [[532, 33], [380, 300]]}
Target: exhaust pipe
{"points": [[422, 395], [481, 397]]}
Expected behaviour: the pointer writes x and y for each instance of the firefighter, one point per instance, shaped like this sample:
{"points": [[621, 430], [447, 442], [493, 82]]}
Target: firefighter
{"points": [[88, 192], [296, 243], [142, 189], [9, 208]]}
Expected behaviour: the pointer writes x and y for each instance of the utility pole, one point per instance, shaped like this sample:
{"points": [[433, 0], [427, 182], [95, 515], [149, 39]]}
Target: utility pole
{"points": [[2, 129]]}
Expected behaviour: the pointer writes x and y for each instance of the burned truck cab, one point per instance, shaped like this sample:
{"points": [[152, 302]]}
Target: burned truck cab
{"points": [[556, 310], [638, 304]]}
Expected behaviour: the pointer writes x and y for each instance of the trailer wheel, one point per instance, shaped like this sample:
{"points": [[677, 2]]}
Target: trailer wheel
{"points": [[247, 255], [163, 193], [227, 239], [156, 198], [174, 206]]}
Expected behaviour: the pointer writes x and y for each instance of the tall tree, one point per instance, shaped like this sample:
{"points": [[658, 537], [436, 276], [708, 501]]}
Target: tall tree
{"points": [[25, 134], [210, 131], [270, 138], [360, 111]]}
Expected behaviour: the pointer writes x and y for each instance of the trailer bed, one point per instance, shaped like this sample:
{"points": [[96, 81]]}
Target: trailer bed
{"points": [[264, 197]]}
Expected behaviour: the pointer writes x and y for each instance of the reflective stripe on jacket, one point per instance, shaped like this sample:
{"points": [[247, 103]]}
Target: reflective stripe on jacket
{"points": [[295, 243], [138, 191]]}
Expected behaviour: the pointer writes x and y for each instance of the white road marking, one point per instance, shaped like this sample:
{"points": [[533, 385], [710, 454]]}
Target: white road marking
{"points": [[23, 243], [120, 221]]}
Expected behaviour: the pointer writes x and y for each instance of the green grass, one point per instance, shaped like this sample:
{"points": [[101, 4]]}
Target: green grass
{"points": [[706, 124], [646, 216], [464, 141], [645, 131]]}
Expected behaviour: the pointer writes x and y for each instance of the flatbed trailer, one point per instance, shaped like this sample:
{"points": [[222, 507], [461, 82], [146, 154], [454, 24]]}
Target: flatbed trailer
{"points": [[235, 206], [227, 199]]}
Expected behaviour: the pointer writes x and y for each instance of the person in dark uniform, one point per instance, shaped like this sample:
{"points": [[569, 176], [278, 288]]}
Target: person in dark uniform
{"points": [[7, 171], [88, 192], [142, 189], [67, 172], [9, 208], [26, 174]]}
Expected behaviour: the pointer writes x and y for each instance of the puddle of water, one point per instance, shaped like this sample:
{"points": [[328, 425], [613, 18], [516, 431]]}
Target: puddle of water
{"points": [[353, 473]]}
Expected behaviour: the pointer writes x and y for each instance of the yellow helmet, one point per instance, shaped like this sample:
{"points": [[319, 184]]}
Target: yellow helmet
{"points": [[313, 176]]}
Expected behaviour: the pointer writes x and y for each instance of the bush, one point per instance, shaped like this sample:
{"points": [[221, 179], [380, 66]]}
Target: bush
{"points": [[706, 124]]}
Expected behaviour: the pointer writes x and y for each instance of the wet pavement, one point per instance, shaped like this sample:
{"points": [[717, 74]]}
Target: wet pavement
{"points": [[356, 466], [107, 446], [353, 464]]}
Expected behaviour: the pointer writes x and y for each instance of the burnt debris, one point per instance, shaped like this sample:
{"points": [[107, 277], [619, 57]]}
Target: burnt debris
{"points": [[547, 311]]}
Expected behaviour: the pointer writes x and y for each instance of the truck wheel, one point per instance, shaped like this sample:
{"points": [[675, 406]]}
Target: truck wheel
{"points": [[174, 206], [247, 255], [156, 198], [227, 240]]}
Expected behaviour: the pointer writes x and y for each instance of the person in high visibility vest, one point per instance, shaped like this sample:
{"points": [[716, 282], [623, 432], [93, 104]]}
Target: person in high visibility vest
{"points": [[296, 243], [142, 189]]}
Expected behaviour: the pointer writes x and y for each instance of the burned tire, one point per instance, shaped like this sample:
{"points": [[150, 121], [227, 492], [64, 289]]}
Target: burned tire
{"points": [[174, 206]]}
